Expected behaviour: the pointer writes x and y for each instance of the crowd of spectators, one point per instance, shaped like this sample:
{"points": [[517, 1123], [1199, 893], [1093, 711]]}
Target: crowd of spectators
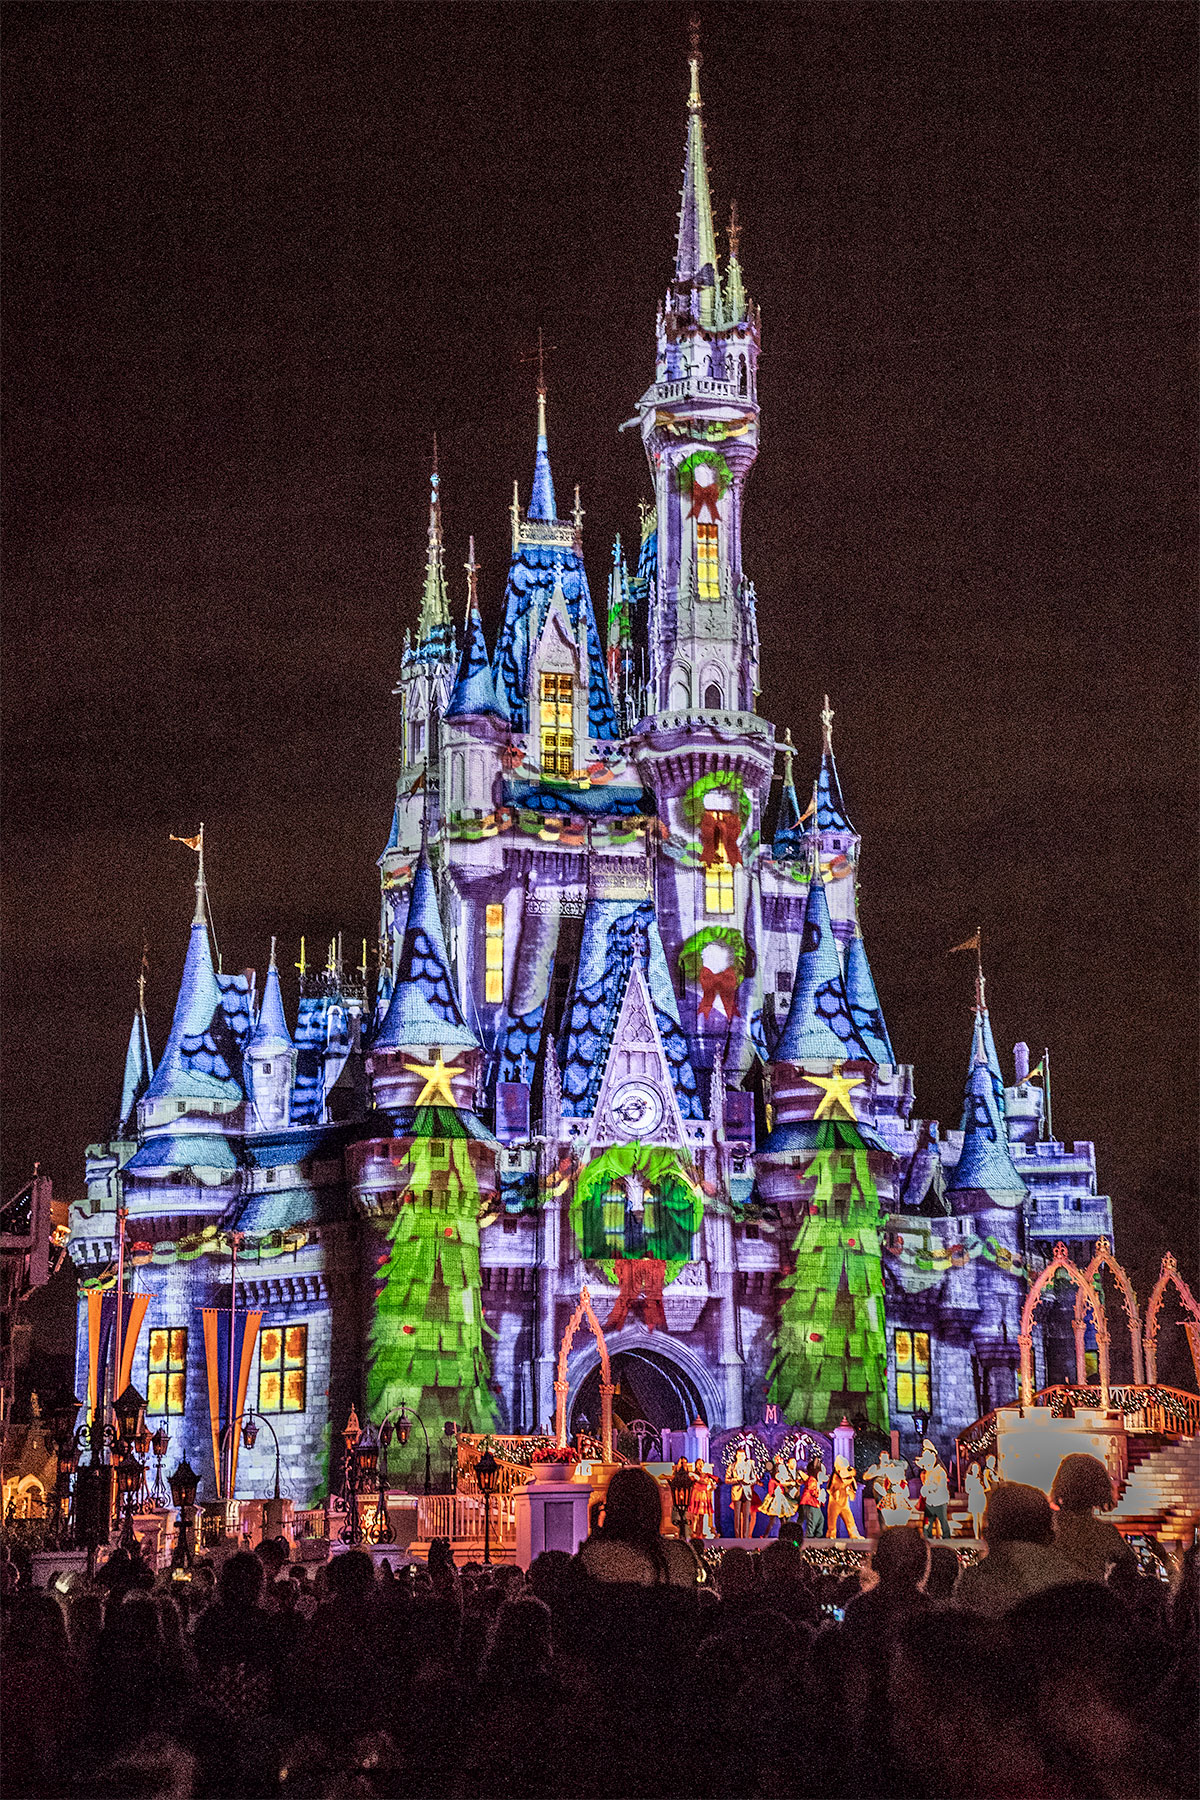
{"points": [[631, 1669]]}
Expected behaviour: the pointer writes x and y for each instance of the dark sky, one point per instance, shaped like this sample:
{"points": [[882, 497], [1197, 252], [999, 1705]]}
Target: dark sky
{"points": [[256, 256]]}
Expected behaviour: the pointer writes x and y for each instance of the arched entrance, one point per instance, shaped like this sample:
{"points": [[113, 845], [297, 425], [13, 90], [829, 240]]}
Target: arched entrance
{"points": [[648, 1386]]}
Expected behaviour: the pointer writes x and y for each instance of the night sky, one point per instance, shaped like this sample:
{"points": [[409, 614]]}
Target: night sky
{"points": [[257, 256]]}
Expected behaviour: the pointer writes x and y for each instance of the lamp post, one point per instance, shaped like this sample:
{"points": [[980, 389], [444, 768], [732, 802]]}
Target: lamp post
{"points": [[130, 1474], [183, 1484], [403, 1431], [487, 1474], [351, 1532], [159, 1444], [63, 1415], [682, 1482]]}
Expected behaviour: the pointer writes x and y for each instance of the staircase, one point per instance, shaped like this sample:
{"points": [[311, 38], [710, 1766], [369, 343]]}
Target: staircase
{"points": [[1161, 1492]]}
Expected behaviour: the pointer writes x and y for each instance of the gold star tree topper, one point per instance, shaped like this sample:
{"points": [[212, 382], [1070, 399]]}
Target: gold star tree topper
{"points": [[836, 1094], [438, 1076]]}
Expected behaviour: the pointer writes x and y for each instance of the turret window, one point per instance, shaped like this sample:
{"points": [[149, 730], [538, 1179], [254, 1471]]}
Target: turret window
{"points": [[557, 724], [912, 1372], [718, 888], [166, 1387], [708, 565], [494, 956], [282, 1368]]}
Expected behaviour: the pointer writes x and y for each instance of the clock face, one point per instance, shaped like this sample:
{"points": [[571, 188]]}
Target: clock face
{"points": [[637, 1109]]}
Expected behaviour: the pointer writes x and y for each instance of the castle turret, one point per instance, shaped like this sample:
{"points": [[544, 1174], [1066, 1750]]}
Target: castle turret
{"points": [[139, 1063], [820, 1025], [269, 1060], [201, 1060], [426, 677]]}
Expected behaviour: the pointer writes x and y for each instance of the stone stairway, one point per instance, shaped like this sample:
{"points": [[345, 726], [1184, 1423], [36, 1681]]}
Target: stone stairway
{"points": [[1162, 1489]]}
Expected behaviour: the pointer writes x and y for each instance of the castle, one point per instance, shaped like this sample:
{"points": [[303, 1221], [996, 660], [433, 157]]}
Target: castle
{"points": [[622, 1030]]}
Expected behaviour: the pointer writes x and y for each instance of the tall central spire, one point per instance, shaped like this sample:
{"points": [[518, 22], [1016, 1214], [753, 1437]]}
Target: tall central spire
{"points": [[696, 253], [435, 602], [541, 501]]}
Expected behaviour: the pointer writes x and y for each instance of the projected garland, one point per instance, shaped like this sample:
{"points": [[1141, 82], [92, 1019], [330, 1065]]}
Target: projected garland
{"points": [[719, 958], [632, 1202], [830, 1347], [426, 1340], [708, 475]]}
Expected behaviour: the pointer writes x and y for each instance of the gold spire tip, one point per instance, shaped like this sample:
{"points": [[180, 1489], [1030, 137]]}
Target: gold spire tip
{"points": [[827, 718]]}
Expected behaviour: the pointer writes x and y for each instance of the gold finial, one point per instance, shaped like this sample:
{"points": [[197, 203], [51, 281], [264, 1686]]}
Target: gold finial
{"points": [[362, 967], [735, 231], [789, 749], [472, 568], [302, 965], [142, 974], [827, 717], [577, 513], [514, 513], [271, 964], [694, 61]]}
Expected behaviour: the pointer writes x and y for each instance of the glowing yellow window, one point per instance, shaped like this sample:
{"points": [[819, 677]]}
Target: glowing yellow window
{"points": [[166, 1389], [718, 888], [912, 1372], [494, 955], [282, 1368], [708, 563], [555, 721]]}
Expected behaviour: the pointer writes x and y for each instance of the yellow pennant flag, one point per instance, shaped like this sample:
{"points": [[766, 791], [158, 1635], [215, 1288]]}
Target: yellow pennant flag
{"points": [[193, 843], [808, 812], [972, 943]]}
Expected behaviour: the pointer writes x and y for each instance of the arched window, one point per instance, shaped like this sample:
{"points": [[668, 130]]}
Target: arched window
{"points": [[713, 701], [742, 383]]}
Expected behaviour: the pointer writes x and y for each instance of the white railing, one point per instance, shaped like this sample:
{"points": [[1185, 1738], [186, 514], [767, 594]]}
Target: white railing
{"points": [[459, 1517]]}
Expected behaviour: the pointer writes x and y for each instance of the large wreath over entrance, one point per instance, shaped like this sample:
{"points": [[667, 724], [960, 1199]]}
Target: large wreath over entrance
{"points": [[671, 1208]]}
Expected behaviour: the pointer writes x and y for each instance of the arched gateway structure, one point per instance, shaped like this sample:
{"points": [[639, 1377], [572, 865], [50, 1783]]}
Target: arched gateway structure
{"points": [[1088, 1296], [1170, 1273], [1104, 1259], [562, 1384]]}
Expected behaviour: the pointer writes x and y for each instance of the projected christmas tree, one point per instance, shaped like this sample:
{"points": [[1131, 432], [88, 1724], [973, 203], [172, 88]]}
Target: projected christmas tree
{"points": [[830, 1347], [426, 1340]]}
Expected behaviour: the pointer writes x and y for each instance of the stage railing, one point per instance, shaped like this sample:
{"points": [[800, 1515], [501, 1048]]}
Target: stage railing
{"points": [[459, 1517]]}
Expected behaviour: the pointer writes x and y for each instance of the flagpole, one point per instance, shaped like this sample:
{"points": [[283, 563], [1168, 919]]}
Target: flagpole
{"points": [[979, 988], [1046, 1082], [233, 1246]]}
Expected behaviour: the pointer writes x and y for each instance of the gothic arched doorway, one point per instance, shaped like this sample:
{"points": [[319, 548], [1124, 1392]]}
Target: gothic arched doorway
{"points": [[649, 1386]]}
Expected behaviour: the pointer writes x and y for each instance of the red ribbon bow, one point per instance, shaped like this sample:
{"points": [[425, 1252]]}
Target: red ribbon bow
{"points": [[639, 1285], [718, 984]]}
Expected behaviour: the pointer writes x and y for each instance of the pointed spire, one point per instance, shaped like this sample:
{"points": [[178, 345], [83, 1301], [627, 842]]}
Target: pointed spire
{"points": [[983, 1044], [474, 692], [541, 501], [831, 808], [820, 1026], [139, 1064], [865, 1009], [424, 1007], [197, 1061], [270, 1034], [696, 250], [735, 290], [435, 603], [788, 841], [985, 1165]]}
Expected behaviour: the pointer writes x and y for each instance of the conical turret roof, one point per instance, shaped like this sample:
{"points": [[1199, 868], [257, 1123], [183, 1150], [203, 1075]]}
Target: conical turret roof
{"points": [[820, 1026], [865, 1009], [985, 1165], [424, 1006]]}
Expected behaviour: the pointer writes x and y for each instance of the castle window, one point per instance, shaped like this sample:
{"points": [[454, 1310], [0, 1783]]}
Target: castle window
{"points": [[912, 1371], [712, 698], [266, 1068], [418, 737], [741, 375], [271, 1177], [556, 721], [181, 1106], [493, 978], [166, 1388], [718, 888], [282, 1368], [708, 567]]}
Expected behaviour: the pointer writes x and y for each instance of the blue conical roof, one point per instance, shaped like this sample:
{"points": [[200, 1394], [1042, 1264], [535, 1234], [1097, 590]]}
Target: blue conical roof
{"points": [[139, 1068], [424, 1006], [820, 1027], [831, 808], [474, 692], [534, 572], [865, 1009], [201, 1055], [985, 1165], [271, 1034], [983, 1047], [541, 502], [788, 844]]}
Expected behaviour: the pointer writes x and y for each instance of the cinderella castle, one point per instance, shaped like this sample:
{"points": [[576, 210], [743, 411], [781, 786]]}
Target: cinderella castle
{"points": [[620, 1030]]}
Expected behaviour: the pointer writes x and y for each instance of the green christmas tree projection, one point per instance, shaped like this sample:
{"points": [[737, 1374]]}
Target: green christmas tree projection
{"points": [[426, 1340], [830, 1348]]}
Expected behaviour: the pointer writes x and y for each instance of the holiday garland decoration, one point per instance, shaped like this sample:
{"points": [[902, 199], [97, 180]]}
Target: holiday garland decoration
{"points": [[709, 476], [830, 1346], [692, 800], [921, 1261], [672, 1210], [716, 984], [426, 1336]]}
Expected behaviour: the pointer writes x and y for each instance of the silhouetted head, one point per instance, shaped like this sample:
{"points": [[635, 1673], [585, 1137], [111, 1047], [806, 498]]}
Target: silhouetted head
{"points": [[900, 1557], [1016, 1514], [633, 1508], [273, 1554], [520, 1641], [241, 1580], [351, 1576], [944, 1570], [1082, 1483]]}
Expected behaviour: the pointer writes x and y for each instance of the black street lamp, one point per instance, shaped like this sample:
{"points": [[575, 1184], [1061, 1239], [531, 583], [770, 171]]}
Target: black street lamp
{"points": [[183, 1484], [159, 1444], [487, 1474], [682, 1482], [351, 1532], [403, 1431], [130, 1474], [63, 1415]]}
